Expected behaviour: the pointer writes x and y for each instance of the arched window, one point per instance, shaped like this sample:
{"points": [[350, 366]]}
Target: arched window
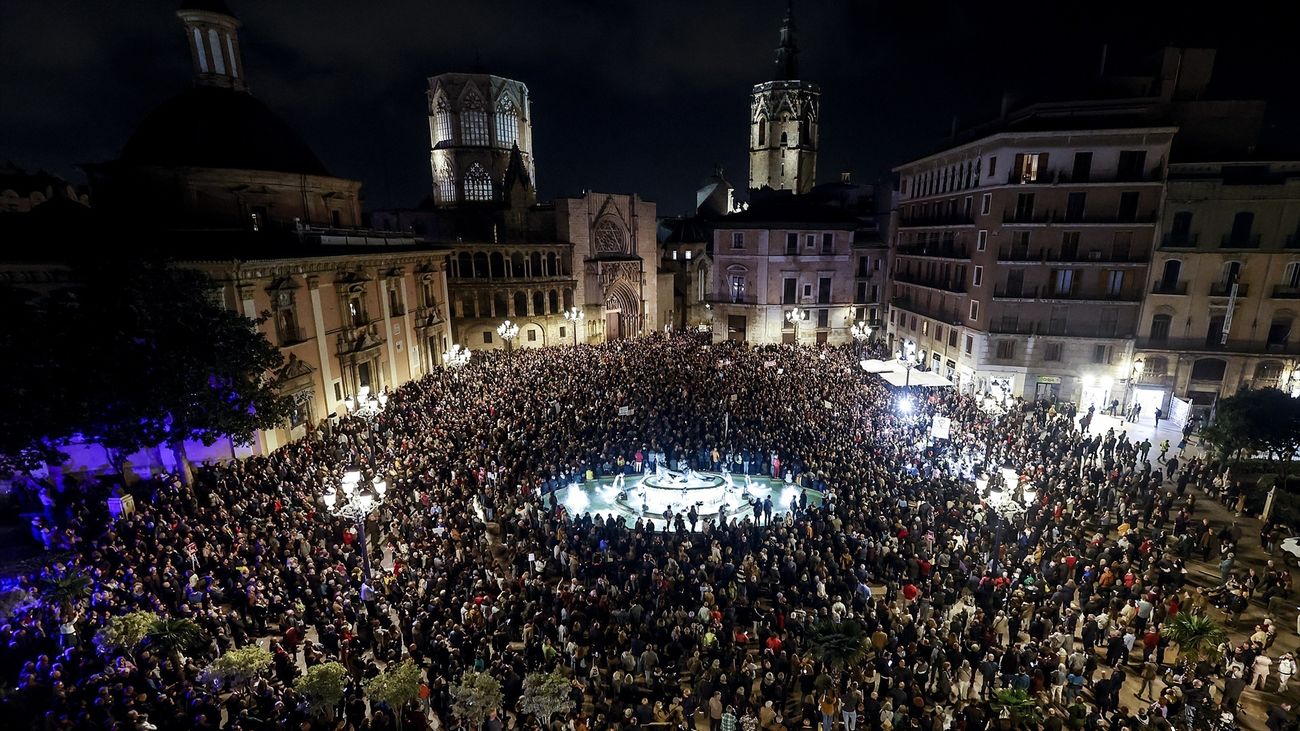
{"points": [[521, 304], [554, 302], [1268, 374], [1169, 277], [1209, 369], [446, 185], [463, 266], [552, 269], [1155, 366], [441, 122], [539, 303], [535, 265], [473, 120], [762, 131], [1242, 223], [568, 298], [785, 139], [502, 304], [478, 184], [498, 264], [480, 265], [517, 264], [507, 123], [1160, 328]]}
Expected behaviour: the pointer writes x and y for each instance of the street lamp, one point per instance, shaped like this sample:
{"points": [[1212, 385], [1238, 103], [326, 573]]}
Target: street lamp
{"points": [[1134, 370], [910, 360], [364, 405], [356, 503], [860, 332], [456, 356], [794, 317], [574, 316], [507, 330]]}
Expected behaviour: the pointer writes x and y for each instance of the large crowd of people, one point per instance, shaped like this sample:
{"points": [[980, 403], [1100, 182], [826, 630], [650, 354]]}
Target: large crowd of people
{"points": [[950, 596]]}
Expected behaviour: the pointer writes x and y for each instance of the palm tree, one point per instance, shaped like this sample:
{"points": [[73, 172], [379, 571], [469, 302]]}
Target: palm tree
{"points": [[174, 636], [1198, 637], [66, 592], [1017, 708], [839, 645]]}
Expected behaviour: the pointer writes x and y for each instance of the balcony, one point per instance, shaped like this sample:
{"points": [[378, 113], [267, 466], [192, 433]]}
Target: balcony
{"points": [[1239, 242], [1179, 241], [735, 299], [1212, 345], [1015, 293], [934, 251], [949, 317], [1169, 288], [1061, 177], [1283, 292], [1053, 218], [1050, 329], [1047, 294], [947, 285], [1224, 289], [1049, 256], [932, 221]]}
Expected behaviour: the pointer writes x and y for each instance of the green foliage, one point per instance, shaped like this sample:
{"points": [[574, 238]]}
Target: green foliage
{"points": [[546, 694], [475, 697], [240, 665], [839, 645], [1022, 709], [125, 631], [170, 364], [1197, 635], [66, 592], [173, 636], [1263, 420], [397, 686], [322, 685]]}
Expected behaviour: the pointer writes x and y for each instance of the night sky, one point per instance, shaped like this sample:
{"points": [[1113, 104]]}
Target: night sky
{"points": [[638, 97]]}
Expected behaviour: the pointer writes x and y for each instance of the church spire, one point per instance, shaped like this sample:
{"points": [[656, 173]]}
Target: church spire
{"points": [[212, 32], [787, 51]]}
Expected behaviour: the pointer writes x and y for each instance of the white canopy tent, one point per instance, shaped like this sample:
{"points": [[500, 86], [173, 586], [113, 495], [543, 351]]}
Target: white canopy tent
{"points": [[925, 379]]}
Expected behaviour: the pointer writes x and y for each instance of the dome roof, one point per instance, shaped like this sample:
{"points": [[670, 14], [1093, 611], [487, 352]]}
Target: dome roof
{"points": [[211, 127]]}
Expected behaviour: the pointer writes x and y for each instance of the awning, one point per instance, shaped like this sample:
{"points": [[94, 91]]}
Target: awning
{"points": [[873, 365], [924, 379]]}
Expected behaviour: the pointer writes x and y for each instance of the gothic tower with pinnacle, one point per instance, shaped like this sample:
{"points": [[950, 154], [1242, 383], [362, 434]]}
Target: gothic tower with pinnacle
{"points": [[783, 117]]}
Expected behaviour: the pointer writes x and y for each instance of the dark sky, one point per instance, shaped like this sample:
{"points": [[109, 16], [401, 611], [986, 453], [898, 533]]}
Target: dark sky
{"points": [[627, 96]]}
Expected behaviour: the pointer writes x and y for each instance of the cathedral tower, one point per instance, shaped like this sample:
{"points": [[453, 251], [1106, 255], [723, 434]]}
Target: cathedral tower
{"points": [[481, 134], [783, 117], [212, 31]]}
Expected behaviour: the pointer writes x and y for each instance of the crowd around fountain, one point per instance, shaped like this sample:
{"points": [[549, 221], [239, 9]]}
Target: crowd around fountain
{"points": [[705, 624]]}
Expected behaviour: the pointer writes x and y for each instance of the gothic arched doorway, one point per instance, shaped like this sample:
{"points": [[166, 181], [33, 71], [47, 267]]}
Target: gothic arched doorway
{"points": [[622, 312]]}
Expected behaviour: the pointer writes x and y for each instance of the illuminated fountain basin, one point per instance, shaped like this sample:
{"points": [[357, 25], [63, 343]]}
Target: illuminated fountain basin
{"points": [[648, 496]]}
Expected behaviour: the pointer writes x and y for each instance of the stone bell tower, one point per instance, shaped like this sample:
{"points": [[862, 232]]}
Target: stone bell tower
{"points": [[783, 119], [213, 34]]}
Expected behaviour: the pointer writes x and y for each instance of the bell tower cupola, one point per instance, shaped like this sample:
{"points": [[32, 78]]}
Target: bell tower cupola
{"points": [[212, 31]]}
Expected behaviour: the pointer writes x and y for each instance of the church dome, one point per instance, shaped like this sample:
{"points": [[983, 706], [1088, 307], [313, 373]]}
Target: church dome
{"points": [[214, 127]]}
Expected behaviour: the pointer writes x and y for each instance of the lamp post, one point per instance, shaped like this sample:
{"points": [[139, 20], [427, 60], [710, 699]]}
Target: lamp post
{"points": [[356, 503], [364, 405], [508, 331], [910, 361], [1134, 370], [456, 356], [574, 316], [860, 332], [794, 317]]}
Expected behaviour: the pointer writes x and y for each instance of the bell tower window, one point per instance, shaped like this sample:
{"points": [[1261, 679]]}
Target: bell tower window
{"points": [[473, 121], [478, 184], [507, 123]]}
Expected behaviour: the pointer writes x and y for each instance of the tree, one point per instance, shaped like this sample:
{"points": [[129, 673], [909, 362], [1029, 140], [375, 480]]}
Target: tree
{"points": [[1198, 637], [175, 636], [1018, 707], [546, 694], [475, 697], [839, 645], [125, 631], [322, 685], [1263, 420], [170, 364], [239, 666], [395, 687], [66, 593]]}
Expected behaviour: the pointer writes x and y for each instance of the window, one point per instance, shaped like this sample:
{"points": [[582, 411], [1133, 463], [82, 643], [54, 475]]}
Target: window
{"points": [[1279, 331], [563, 331], [864, 266], [938, 333], [828, 243], [1063, 281], [1242, 223], [357, 311], [966, 206], [1121, 246], [215, 44], [286, 324], [1029, 167], [1069, 245], [982, 238], [979, 277], [823, 290], [737, 288], [1082, 167], [925, 327], [1231, 274], [478, 184], [986, 203], [1074, 204], [974, 309], [532, 335], [1160, 328], [789, 288], [487, 337], [738, 240], [1101, 354], [1057, 320], [792, 243], [1291, 277], [823, 318], [810, 241], [441, 122], [1115, 282], [1024, 206], [521, 304], [970, 343], [807, 291], [1180, 230], [394, 302], [1108, 325], [1052, 352], [507, 123], [336, 218], [1132, 164], [1128, 206], [952, 338], [993, 167], [446, 185], [860, 295], [473, 121], [688, 254], [1169, 277]]}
